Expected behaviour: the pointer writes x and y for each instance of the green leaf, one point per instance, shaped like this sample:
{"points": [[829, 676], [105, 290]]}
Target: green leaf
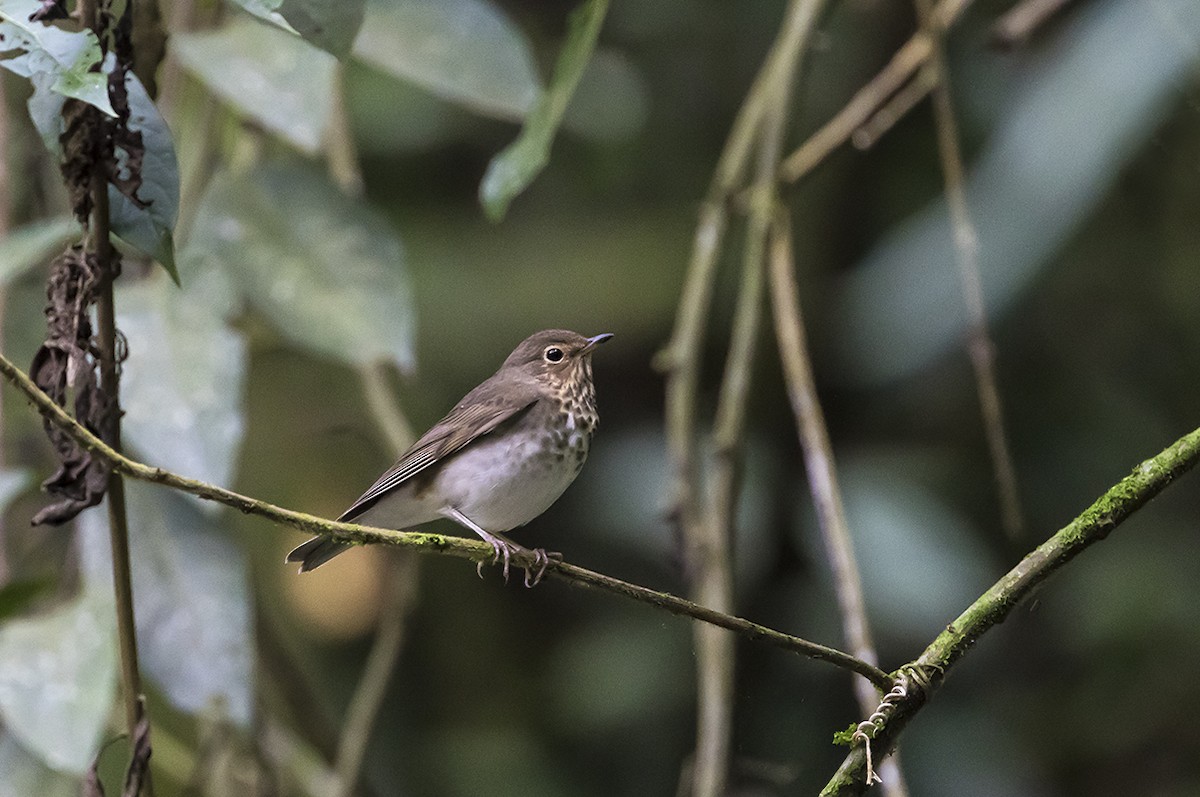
{"points": [[513, 170], [181, 387], [68, 57], [328, 24], [58, 679], [463, 51], [149, 229], [16, 596], [325, 269], [25, 774], [268, 75], [191, 600], [32, 244]]}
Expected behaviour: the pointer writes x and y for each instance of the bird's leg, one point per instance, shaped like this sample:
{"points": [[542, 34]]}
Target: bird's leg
{"points": [[502, 549]]}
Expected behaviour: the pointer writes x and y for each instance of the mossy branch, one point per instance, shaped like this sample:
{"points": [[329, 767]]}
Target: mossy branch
{"points": [[923, 676], [422, 542]]}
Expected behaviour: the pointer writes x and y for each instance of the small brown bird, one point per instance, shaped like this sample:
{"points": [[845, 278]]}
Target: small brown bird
{"points": [[500, 458]]}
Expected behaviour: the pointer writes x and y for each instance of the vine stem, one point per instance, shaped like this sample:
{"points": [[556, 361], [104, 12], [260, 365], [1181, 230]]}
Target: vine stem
{"points": [[424, 542], [925, 675], [980, 348], [820, 466], [99, 244]]}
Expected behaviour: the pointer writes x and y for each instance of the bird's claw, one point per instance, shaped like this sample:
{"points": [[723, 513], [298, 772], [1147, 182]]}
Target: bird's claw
{"points": [[503, 551], [541, 562]]}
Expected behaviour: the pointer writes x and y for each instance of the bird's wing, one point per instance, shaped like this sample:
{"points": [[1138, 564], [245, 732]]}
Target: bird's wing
{"points": [[468, 421]]}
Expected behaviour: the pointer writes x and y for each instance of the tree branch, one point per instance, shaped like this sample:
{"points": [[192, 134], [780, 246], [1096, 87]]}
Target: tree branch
{"points": [[423, 542], [898, 71], [922, 677]]}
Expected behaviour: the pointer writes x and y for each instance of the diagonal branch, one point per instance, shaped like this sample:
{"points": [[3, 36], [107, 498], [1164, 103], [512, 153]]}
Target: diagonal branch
{"points": [[423, 542], [906, 62], [925, 675]]}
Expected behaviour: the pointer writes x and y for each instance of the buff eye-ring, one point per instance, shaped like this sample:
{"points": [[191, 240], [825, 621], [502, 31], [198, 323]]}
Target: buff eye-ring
{"points": [[553, 354]]}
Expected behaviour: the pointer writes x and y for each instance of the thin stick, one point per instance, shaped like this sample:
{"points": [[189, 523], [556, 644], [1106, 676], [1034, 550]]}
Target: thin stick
{"points": [[966, 250], [927, 673], [902, 66], [400, 586], [422, 542], [99, 244], [5, 222], [402, 567], [895, 109], [819, 465], [1019, 22], [818, 452], [372, 685]]}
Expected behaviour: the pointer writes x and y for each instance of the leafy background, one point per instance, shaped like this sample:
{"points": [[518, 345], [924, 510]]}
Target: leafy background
{"points": [[1085, 181]]}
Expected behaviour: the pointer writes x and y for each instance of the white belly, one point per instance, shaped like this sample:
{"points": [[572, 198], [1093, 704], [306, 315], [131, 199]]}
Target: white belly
{"points": [[502, 483]]}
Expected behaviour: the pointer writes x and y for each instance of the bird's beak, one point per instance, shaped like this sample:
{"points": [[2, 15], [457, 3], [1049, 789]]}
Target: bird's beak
{"points": [[595, 341]]}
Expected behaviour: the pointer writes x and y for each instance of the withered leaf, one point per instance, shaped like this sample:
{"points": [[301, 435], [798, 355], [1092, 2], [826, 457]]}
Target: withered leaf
{"points": [[65, 364], [50, 10]]}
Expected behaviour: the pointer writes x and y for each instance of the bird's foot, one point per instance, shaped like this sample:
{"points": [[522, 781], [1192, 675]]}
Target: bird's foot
{"points": [[541, 561], [502, 551]]}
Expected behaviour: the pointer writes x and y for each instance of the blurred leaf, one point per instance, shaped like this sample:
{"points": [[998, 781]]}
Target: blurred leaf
{"points": [[15, 596], [268, 75], [25, 775], [68, 58], [191, 598], [513, 170], [58, 679], [326, 269], [30, 245], [611, 101], [149, 228], [328, 24], [464, 51], [390, 116], [182, 384]]}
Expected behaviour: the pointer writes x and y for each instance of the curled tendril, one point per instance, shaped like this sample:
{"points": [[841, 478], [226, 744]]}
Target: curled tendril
{"points": [[918, 677]]}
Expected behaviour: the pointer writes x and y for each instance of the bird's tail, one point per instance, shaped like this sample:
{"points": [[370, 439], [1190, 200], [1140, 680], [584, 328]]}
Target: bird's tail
{"points": [[316, 552]]}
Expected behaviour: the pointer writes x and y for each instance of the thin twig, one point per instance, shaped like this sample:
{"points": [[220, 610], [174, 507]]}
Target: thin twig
{"points": [[340, 151], [402, 567], [966, 251], [710, 541], [898, 71], [5, 222], [819, 465], [365, 703], [98, 243], [1019, 22], [384, 409], [818, 452], [421, 542], [927, 673], [400, 585], [895, 109]]}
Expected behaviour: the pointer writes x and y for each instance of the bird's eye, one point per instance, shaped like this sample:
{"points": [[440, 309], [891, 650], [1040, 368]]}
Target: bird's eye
{"points": [[553, 354]]}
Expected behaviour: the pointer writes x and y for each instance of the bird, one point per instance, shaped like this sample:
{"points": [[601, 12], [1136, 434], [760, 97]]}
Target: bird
{"points": [[497, 460]]}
